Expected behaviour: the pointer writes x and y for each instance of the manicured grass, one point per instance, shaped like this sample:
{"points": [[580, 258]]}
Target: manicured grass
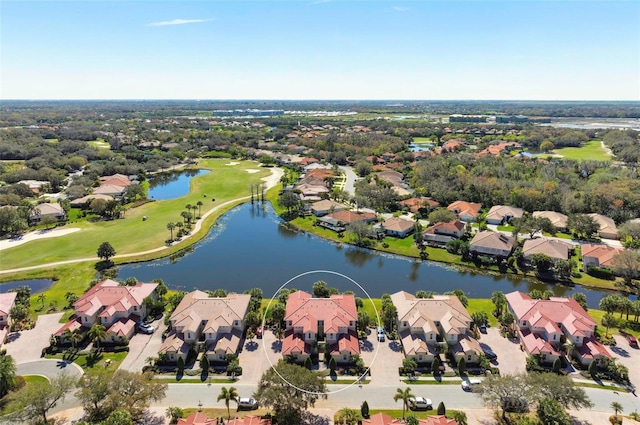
{"points": [[602, 387], [194, 380], [422, 140], [89, 361], [221, 412], [99, 143], [35, 379], [397, 413], [507, 228], [430, 382], [591, 150], [52, 141], [131, 234], [480, 305], [329, 381]]}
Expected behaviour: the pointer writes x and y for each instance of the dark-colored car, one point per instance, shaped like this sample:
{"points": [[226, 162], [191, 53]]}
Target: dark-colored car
{"points": [[489, 354], [259, 332], [632, 340]]}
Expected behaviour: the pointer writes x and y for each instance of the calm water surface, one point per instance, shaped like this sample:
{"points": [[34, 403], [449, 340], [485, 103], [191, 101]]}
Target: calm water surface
{"points": [[171, 185], [36, 285], [251, 247]]}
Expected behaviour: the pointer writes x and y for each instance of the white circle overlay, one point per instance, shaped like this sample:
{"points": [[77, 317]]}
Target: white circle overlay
{"points": [[264, 318]]}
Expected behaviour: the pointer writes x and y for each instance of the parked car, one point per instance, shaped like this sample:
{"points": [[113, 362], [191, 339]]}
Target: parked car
{"points": [[259, 332], [420, 403], [381, 335], [145, 328], [632, 340], [468, 385], [483, 328], [489, 353], [247, 403]]}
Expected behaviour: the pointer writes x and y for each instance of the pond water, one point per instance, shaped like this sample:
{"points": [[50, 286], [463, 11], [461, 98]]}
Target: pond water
{"points": [[251, 247], [36, 285], [422, 147], [171, 185]]}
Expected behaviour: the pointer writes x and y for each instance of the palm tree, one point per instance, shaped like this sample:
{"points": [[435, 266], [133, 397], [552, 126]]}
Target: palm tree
{"points": [[71, 298], [227, 396], [608, 320], [348, 416], [199, 204], [499, 300], [97, 333], [183, 214], [460, 417], [170, 226], [75, 338], [41, 298], [404, 395], [617, 407]]}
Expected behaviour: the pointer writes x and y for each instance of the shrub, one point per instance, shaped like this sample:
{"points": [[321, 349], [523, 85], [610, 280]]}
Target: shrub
{"points": [[600, 273]]}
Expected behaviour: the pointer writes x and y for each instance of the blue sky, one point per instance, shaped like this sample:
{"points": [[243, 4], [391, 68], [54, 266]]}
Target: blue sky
{"points": [[323, 49]]}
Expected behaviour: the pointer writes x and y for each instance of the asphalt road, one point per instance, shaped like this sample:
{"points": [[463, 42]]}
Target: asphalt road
{"points": [[351, 179]]}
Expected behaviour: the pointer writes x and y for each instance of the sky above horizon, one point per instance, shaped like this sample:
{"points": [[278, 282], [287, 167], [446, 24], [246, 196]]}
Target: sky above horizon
{"points": [[320, 49]]}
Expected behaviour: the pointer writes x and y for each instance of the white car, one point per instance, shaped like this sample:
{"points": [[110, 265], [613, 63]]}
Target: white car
{"points": [[145, 328], [247, 403], [468, 385], [420, 403], [380, 333]]}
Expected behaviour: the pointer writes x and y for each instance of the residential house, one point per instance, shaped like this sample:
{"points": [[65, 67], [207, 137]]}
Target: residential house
{"points": [[36, 186], [86, 200], [338, 220], [543, 323], [466, 211], [453, 145], [497, 149], [48, 210], [553, 248], [492, 243], [309, 192], [249, 420], [441, 233], [197, 418], [396, 226], [501, 214], [325, 207], [598, 255], [7, 301], [423, 321], [217, 323], [607, 227], [417, 204], [114, 306], [113, 190], [116, 179], [558, 220], [309, 320]]}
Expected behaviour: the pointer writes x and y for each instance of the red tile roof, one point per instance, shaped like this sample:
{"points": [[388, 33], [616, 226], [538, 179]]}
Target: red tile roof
{"points": [[348, 217], [197, 418], [109, 295], [604, 253]]}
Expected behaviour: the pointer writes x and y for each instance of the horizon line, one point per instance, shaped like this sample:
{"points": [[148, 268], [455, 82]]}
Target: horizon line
{"points": [[304, 100]]}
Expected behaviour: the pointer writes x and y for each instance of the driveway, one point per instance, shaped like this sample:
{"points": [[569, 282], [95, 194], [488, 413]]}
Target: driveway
{"points": [[255, 355], [628, 356], [349, 185], [26, 346], [511, 359], [383, 358], [143, 346]]}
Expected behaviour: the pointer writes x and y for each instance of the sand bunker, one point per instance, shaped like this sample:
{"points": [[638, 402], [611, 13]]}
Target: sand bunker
{"points": [[232, 163], [32, 236], [252, 171]]}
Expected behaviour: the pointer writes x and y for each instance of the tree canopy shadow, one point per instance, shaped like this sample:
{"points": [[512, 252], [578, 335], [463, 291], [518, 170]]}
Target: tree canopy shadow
{"points": [[309, 418], [276, 346]]}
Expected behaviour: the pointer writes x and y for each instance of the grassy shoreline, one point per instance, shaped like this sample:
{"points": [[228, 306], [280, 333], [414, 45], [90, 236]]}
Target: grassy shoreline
{"points": [[75, 277]]}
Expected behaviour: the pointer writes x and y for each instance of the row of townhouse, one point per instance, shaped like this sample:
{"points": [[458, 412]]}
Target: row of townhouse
{"points": [[425, 324]]}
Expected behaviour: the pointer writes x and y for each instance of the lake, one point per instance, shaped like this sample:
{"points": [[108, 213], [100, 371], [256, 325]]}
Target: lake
{"points": [[172, 184], [36, 285], [251, 247]]}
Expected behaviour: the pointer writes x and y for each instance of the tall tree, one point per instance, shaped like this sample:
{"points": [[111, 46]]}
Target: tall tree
{"points": [[347, 416], [37, 400], [499, 301], [403, 394], [96, 334], [105, 251], [289, 389], [199, 205], [228, 395], [7, 374], [170, 226]]}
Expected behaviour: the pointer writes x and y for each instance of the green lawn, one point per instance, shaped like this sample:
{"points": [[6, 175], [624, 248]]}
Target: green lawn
{"points": [[422, 140], [131, 234], [589, 151], [397, 413], [89, 360], [35, 379], [482, 304], [99, 143]]}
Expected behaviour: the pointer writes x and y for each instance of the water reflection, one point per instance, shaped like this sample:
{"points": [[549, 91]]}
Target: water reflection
{"points": [[172, 184], [251, 247]]}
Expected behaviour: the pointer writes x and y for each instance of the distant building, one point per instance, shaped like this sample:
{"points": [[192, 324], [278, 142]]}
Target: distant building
{"points": [[506, 119]]}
